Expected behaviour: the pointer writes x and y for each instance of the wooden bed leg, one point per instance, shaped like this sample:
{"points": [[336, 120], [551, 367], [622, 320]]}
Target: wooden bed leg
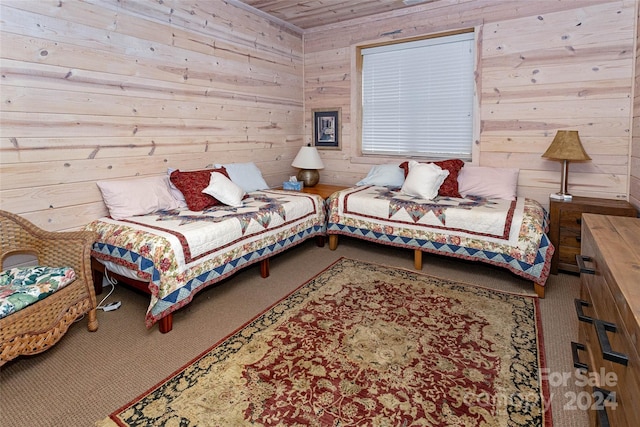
{"points": [[166, 323], [417, 259], [539, 290], [320, 241], [333, 242], [264, 268]]}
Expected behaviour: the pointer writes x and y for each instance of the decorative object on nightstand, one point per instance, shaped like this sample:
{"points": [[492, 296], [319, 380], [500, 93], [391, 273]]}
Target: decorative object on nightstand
{"points": [[292, 184], [565, 221], [565, 146], [308, 161]]}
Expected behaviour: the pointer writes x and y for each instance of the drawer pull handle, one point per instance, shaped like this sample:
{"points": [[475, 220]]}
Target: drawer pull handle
{"points": [[578, 239], [581, 316], [576, 359], [607, 353], [601, 396], [580, 259]]}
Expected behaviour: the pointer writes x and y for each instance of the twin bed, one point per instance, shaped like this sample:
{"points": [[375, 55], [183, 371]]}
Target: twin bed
{"points": [[508, 234], [174, 252]]}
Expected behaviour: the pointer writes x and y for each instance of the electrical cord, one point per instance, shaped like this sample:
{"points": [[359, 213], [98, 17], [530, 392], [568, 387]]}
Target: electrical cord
{"points": [[111, 306], [114, 305]]}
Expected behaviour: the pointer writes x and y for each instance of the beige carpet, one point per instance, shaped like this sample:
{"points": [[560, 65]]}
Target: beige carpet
{"points": [[366, 344], [87, 376]]}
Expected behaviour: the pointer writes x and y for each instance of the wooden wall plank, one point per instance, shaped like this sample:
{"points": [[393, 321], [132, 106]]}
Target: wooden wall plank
{"points": [[114, 89], [543, 67], [634, 152]]}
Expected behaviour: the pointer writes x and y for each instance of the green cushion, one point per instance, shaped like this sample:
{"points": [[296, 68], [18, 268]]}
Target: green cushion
{"points": [[22, 286]]}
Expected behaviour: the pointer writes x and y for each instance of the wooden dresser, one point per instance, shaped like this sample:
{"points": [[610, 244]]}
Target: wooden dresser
{"points": [[564, 227], [609, 315]]}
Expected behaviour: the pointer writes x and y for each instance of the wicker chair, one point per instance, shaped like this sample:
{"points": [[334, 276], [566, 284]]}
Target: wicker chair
{"points": [[40, 325]]}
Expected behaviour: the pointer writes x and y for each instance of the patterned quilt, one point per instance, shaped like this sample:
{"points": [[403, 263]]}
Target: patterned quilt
{"points": [[509, 234], [179, 252]]}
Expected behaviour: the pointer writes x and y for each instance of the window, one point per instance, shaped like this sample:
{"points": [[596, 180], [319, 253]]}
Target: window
{"points": [[418, 97]]}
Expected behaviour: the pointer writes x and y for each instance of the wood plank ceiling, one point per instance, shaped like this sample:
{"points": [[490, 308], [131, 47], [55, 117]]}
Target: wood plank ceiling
{"points": [[306, 14]]}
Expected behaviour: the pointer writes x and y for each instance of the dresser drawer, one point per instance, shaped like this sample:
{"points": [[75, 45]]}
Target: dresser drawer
{"points": [[611, 296], [622, 379]]}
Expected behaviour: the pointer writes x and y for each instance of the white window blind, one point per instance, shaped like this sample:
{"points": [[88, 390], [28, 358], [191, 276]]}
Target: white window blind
{"points": [[417, 97]]}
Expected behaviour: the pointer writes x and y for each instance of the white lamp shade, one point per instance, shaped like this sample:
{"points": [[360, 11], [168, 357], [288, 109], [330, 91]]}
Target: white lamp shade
{"points": [[308, 158]]}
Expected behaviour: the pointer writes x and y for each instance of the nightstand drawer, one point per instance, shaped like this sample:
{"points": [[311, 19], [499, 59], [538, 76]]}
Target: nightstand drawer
{"points": [[571, 220], [568, 257], [569, 237]]}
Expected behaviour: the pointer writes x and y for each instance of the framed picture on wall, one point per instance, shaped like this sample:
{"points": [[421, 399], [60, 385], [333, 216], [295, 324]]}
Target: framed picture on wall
{"points": [[326, 128]]}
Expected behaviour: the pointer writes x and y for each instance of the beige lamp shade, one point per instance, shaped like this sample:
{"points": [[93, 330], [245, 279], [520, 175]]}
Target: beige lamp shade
{"points": [[308, 161], [566, 146], [308, 158]]}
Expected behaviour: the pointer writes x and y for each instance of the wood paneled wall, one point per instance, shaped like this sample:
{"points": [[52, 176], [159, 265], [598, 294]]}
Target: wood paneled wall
{"points": [[542, 66], [112, 89], [109, 89], [634, 175]]}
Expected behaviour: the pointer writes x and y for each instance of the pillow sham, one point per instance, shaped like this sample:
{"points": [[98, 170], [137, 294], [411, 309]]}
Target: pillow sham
{"points": [[177, 194], [384, 175], [225, 190], [424, 180], [246, 175], [492, 183], [139, 196], [449, 187], [191, 184]]}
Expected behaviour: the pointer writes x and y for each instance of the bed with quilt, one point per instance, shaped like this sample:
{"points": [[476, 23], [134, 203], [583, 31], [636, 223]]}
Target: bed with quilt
{"points": [[475, 215], [181, 247]]}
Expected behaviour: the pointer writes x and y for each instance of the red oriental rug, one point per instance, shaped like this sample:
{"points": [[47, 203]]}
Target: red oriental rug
{"points": [[366, 345]]}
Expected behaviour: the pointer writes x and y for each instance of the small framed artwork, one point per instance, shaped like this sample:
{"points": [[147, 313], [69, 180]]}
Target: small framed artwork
{"points": [[326, 129]]}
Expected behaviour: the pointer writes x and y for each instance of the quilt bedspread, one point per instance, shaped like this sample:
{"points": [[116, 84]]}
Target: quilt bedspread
{"points": [[179, 252], [499, 232]]}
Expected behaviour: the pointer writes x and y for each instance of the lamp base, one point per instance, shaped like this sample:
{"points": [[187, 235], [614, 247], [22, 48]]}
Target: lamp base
{"points": [[310, 177], [561, 196]]}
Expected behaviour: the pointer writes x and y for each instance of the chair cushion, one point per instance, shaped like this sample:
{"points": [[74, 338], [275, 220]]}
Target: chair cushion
{"points": [[22, 286]]}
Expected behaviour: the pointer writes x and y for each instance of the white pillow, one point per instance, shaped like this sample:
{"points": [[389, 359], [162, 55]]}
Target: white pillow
{"points": [[384, 175], [492, 183], [424, 180], [177, 194], [139, 196], [225, 190], [246, 175]]}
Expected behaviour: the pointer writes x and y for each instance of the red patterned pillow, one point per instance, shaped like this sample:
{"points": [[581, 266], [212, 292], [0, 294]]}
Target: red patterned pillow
{"points": [[191, 184], [449, 187]]}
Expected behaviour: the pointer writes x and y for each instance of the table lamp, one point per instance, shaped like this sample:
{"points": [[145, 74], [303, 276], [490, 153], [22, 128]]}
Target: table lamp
{"points": [[308, 161], [566, 146]]}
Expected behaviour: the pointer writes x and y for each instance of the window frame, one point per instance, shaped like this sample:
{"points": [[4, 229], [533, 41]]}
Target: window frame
{"points": [[357, 109]]}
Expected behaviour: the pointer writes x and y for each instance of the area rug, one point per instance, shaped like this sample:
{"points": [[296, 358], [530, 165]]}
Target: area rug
{"points": [[363, 344]]}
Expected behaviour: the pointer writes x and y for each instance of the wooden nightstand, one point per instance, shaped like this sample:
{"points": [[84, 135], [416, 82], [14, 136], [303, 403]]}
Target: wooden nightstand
{"points": [[323, 190], [565, 226]]}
